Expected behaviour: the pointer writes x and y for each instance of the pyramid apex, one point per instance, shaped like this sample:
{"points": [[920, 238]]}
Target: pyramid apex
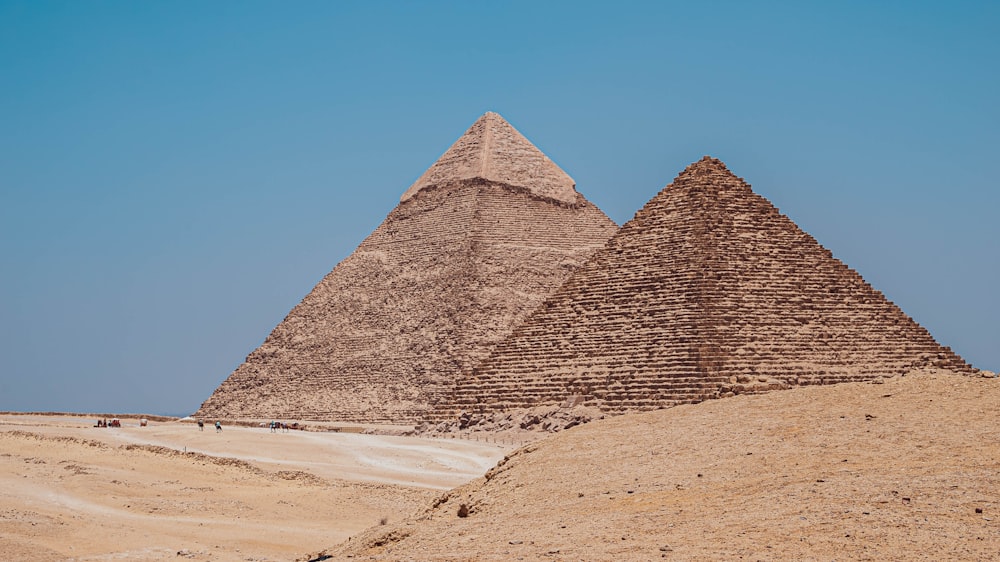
{"points": [[707, 164], [708, 171], [492, 149]]}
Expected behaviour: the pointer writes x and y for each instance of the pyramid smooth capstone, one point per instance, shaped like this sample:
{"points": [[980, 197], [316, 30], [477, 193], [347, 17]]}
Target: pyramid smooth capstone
{"points": [[447, 275], [495, 151], [706, 292]]}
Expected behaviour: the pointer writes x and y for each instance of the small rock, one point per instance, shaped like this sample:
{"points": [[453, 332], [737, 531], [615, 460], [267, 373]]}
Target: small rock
{"points": [[463, 510], [979, 510], [516, 542]]}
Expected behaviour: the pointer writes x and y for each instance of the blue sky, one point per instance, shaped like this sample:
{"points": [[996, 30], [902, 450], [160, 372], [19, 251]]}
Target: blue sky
{"points": [[176, 176]]}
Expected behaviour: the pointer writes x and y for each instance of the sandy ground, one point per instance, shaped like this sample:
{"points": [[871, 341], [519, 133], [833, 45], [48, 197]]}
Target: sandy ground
{"points": [[905, 470], [71, 491]]}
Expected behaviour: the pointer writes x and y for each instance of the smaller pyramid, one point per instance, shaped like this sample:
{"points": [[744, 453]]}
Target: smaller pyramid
{"points": [[494, 151], [707, 291]]}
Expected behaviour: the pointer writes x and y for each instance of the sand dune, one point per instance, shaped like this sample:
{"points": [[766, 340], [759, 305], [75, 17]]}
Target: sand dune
{"points": [[905, 470]]}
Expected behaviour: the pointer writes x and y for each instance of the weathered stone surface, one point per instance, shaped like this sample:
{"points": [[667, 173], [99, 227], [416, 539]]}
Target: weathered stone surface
{"points": [[458, 263], [494, 150], [707, 291]]}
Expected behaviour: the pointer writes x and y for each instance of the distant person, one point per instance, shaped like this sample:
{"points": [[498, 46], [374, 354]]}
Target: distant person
{"points": [[201, 425], [218, 426]]}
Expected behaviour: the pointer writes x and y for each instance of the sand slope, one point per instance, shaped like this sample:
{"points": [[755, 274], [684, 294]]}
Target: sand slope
{"points": [[858, 471]]}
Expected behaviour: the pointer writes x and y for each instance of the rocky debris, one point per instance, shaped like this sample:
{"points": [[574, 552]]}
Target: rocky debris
{"points": [[746, 384], [548, 419], [301, 476]]}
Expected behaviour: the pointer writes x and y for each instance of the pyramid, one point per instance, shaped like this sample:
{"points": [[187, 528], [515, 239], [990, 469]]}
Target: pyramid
{"points": [[707, 291], [478, 242]]}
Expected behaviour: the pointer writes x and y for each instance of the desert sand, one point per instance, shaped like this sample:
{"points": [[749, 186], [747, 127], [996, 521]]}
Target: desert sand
{"points": [[71, 491], [904, 470], [908, 469]]}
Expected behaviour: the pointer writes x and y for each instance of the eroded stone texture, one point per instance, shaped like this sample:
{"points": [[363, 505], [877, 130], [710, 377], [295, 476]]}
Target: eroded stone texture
{"points": [[708, 290], [494, 150], [460, 261]]}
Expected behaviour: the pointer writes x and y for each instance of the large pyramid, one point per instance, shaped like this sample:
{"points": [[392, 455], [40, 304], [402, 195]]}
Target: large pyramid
{"points": [[473, 247], [706, 291]]}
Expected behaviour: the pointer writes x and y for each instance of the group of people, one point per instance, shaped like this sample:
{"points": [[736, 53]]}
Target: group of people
{"points": [[115, 422], [274, 425], [218, 426]]}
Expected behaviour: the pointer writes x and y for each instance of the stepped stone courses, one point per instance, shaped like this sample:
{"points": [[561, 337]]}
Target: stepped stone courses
{"points": [[473, 247], [706, 292]]}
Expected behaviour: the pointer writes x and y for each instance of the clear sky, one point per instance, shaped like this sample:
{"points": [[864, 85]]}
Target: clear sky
{"points": [[176, 176]]}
